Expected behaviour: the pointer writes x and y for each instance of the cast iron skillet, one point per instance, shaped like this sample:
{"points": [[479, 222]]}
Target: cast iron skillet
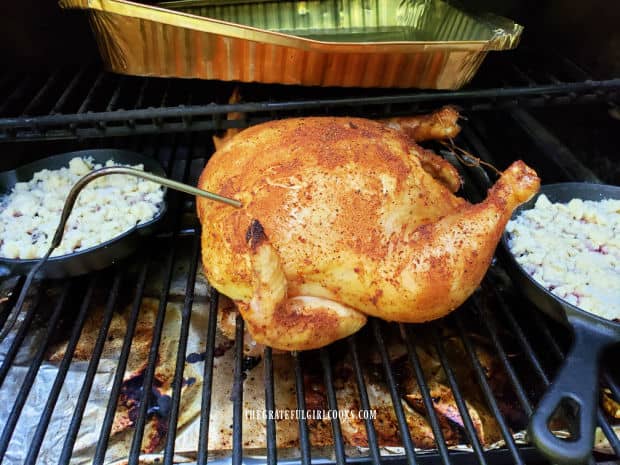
{"points": [[93, 258], [578, 377]]}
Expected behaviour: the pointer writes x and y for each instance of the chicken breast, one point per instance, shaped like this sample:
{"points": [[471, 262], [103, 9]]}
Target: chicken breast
{"points": [[341, 220]]}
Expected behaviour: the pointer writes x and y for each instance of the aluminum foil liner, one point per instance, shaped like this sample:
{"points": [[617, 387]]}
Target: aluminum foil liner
{"points": [[350, 43], [188, 428]]}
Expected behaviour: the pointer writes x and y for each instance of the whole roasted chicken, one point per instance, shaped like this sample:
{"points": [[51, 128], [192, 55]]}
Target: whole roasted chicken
{"points": [[344, 218]]}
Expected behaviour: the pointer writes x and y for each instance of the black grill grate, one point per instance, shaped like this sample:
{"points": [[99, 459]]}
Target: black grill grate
{"points": [[539, 341], [85, 102]]}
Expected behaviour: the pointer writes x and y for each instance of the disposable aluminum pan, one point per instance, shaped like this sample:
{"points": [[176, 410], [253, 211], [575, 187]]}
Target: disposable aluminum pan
{"points": [[350, 43]]}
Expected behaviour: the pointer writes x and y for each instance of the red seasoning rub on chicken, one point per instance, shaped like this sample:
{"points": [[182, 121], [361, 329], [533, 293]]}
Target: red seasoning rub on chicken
{"points": [[342, 219]]}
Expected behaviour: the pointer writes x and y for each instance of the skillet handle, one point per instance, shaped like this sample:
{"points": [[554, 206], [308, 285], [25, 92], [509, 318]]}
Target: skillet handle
{"points": [[576, 381]]}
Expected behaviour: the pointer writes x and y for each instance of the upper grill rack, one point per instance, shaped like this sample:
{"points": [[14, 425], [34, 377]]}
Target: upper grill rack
{"points": [[536, 338], [86, 102]]}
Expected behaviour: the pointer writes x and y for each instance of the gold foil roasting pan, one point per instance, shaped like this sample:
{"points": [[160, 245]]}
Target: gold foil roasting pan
{"points": [[350, 43]]}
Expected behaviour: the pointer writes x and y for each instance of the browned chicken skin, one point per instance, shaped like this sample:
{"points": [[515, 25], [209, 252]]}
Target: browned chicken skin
{"points": [[341, 220]]}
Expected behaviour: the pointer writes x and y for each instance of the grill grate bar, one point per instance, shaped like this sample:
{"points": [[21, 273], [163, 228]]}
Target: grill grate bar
{"points": [[612, 385], [237, 394], [174, 160], [104, 435], [71, 345], [181, 353], [371, 434], [488, 320], [513, 84], [304, 441], [112, 131], [77, 78], [21, 332], [165, 95], [115, 95], [414, 360], [189, 98], [91, 371], [39, 95], [131, 123], [487, 392], [522, 75], [207, 376], [30, 128], [22, 396], [86, 102], [481, 151], [544, 328], [282, 106], [13, 297], [608, 431], [458, 397], [522, 339], [553, 149], [17, 94], [469, 189], [474, 192], [333, 406], [552, 77], [149, 374], [141, 93], [577, 71], [157, 121], [405, 434], [272, 450]]}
